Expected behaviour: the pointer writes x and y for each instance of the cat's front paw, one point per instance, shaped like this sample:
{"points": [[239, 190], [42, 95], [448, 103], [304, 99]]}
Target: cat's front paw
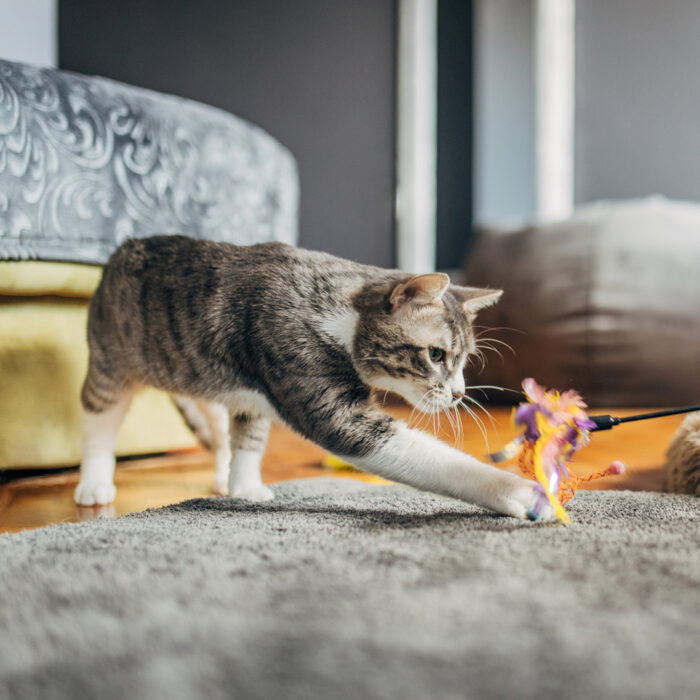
{"points": [[94, 493], [252, 492], [543, 511], [517, 497]]}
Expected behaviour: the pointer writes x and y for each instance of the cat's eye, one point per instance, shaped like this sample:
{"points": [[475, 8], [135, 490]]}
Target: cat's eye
{"points": [[436, 354]]}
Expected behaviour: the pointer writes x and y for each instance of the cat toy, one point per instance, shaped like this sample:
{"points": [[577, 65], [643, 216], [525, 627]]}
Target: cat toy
{"points": [[555, 427]]}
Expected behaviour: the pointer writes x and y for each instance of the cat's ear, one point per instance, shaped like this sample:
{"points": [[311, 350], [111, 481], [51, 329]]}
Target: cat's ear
{"points": [[474, 299], [420, 290]]}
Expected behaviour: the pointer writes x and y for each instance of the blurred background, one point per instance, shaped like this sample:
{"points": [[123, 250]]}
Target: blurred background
{"points": [[547, 147], [617, 77]]}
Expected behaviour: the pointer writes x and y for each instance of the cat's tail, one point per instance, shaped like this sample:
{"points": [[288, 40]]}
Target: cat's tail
{"points": [[195, 418]]}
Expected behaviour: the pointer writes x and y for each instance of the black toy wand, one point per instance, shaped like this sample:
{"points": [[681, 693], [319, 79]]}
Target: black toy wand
{"points": [[607, 422], [601, 422]]}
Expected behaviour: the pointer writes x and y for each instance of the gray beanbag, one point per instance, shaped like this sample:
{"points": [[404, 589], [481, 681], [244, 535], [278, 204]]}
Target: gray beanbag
{"points": [[606, 302]]}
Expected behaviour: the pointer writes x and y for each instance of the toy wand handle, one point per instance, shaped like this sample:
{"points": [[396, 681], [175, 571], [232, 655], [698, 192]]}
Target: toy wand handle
{"points": [[607, 422]]}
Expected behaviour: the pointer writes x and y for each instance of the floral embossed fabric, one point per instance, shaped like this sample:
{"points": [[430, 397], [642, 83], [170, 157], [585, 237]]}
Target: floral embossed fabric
{"points": [[86, 162]]}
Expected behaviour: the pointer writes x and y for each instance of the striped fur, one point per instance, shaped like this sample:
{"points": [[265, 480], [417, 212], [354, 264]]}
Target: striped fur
{"points": [[273, 332]]}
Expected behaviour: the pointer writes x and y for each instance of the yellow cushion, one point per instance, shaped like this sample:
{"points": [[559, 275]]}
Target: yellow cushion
{"points": [[43, 358], [38, 278]]}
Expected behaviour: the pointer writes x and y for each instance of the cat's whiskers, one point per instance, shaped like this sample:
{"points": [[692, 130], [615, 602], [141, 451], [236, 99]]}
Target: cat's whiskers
{"points": [[455, 424], [487, 329], [447, 415], [481, 387], [479, 424], [413, 413], [482, 346], [418, 408], [460, 427], [451, 421], [489, 343], [480, 357], [436, 417], [422, 415], [435, 413], [428, 405], [430, 399], [423, 418], [478, 404]]}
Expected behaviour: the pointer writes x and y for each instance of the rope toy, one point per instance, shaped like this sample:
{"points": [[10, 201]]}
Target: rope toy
{"points": [[555, 427]]}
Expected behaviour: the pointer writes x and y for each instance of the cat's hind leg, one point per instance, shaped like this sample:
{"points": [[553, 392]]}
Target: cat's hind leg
{"points": [[209, 421], [218, 419], [105, 403], [248, 440]]}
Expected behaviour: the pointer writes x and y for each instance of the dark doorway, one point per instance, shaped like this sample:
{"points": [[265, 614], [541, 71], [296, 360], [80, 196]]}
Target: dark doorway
{"points": [[454, 127]]}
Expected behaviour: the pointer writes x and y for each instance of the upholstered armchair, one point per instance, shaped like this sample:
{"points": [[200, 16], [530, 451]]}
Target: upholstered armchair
{"points": [[86, 162]]}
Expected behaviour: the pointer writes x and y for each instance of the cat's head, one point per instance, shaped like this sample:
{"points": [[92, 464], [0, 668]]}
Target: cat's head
{"points": [[415, 336]]}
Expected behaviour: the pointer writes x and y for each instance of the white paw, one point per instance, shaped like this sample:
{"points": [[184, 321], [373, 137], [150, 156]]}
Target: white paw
{"points": [[546, 512], [94, 493], [220, 486], [252, 492], [517, 497]]}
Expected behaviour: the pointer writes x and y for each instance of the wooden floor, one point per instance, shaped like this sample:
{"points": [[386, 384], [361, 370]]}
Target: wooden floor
{"points": [[157, 481]]}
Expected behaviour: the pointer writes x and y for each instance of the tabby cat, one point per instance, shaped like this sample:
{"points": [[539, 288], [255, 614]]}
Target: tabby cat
{"points": [[244, 335]]}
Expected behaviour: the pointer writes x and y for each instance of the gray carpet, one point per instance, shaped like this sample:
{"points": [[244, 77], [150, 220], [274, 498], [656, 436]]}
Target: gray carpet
{"points": [[340, 589]]}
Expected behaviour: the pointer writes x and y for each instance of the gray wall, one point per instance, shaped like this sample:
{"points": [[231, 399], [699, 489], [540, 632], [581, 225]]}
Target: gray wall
{"points": [[504, 111], [454, 131], [317, 74], [637, 99]]}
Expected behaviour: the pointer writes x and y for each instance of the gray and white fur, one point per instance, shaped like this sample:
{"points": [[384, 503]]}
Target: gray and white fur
{"points": [[245, 335]]}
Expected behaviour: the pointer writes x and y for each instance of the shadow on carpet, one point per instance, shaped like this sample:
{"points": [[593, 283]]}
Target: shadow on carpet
{"points": [[339, 589]]}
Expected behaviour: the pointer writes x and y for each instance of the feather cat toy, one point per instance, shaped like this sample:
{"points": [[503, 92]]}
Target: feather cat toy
{"points": [[555, 427]]}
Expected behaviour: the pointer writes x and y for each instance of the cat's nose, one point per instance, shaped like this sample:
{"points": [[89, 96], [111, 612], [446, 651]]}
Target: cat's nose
{"points": [[457, 395]]}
